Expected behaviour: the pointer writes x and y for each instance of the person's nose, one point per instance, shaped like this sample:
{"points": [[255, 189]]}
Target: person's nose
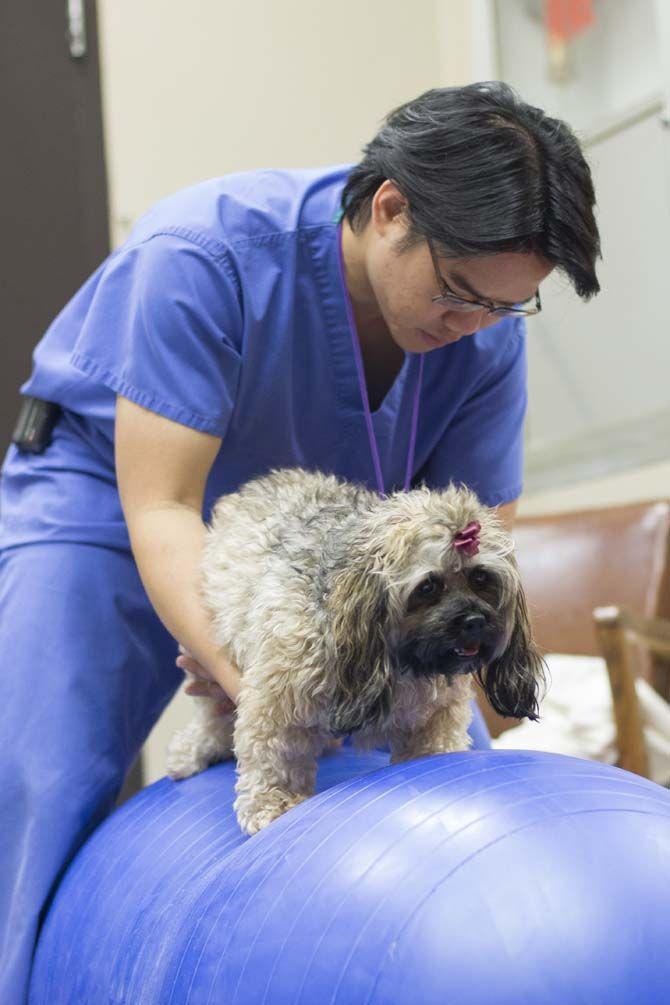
{"points": [[467, 322]]}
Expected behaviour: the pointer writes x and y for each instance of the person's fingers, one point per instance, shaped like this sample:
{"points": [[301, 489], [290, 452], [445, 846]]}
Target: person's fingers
{"points": [[204, 689], [197, 689], [190, 665], [225, 707], [203, 685], [209, 689]]}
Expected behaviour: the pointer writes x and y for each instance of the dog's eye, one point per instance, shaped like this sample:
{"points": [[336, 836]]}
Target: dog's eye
{"points": [[479, 578], [430, 586], [428, 589]]}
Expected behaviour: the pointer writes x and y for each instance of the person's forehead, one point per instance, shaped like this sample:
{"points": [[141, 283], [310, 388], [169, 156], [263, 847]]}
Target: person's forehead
{"points": [[506, 277]]}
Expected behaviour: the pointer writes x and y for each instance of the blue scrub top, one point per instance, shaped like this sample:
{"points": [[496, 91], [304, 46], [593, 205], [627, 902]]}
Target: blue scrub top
{"points": [[224, 310]]}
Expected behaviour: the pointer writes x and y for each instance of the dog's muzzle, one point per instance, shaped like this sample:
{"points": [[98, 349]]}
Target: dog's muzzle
{"points": [[465, 645]]}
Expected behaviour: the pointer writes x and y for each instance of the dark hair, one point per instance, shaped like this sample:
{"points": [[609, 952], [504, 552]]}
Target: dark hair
{"points": [[483, 172]]}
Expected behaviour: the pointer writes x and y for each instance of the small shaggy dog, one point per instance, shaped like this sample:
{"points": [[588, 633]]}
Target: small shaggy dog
{"points": [[349, 613]]}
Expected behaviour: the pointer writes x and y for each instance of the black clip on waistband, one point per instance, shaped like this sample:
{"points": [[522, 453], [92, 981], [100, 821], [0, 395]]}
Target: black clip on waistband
{"points": [[34, 425]]}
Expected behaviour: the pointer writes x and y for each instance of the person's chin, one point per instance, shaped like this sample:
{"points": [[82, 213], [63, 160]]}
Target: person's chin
{"points": [[431, 341]]}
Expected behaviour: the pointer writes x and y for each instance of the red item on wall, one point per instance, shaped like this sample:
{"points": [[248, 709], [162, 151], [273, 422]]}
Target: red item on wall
{"points": [[567, 18]]}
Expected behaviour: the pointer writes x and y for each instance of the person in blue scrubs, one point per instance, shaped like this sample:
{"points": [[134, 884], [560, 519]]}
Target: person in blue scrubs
{"points": [[218, 342]]}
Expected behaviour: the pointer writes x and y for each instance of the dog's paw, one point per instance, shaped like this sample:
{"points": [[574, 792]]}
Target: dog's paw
{"points": [[182, 764], [188, 754], [253, 816], [179, 768]]}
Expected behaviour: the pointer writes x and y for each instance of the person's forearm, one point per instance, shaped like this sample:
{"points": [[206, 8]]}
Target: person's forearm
{"points": [[167, 544]]}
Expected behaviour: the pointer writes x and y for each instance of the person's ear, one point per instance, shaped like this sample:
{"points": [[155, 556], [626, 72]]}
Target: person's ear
{"points": [[389, 208]]}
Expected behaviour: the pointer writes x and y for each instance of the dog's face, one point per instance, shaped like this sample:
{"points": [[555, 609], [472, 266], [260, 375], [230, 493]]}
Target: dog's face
{"points": [[456, 620], [423, 599]]}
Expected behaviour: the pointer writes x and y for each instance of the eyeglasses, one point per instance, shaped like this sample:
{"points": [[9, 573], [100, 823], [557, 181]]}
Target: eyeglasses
{"points": [[447, 298]]}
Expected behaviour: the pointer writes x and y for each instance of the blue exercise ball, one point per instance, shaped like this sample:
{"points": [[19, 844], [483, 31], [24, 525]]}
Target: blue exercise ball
{"points": [[465, 879]]}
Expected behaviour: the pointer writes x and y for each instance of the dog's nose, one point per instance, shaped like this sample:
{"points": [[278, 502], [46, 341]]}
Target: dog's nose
{"points": [[474, 624]]}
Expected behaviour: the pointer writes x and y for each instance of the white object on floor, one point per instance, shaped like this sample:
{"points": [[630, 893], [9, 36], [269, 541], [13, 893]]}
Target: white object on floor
{"points": [[576, 717]]}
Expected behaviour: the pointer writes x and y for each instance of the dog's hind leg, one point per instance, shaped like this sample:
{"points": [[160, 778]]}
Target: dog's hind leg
{"points": [[207, 739]]}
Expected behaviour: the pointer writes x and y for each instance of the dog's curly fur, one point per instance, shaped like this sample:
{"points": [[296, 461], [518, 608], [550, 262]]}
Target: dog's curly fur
{"points": [[348, 613]]}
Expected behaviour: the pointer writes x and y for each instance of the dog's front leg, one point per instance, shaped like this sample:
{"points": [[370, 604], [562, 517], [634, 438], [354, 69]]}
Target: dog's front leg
{"points": [[442, 732], [276, 765]]}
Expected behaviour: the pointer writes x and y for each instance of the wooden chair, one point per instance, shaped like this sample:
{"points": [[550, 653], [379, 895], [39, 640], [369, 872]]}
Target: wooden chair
{"points": [[620, 633], [598, 584]]}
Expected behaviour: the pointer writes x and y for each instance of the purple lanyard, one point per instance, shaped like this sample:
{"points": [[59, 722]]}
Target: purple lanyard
{"points": [[364, 391]]}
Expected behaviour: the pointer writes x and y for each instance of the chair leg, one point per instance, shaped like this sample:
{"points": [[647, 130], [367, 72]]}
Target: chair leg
{"points": [[614, 647]]}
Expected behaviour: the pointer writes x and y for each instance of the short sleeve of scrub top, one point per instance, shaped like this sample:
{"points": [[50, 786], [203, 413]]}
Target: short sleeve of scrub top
{"points": [[482, 447], [164, 327]]}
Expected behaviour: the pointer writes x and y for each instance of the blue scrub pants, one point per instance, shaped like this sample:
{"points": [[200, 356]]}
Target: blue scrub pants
{"points": [[88, 669]]}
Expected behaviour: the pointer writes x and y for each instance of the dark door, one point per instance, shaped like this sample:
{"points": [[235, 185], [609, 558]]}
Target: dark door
{"points": [[53, 192]]}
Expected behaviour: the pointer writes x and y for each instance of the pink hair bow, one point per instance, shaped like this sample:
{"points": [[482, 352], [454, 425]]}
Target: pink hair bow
{"points": [[467, 540]]}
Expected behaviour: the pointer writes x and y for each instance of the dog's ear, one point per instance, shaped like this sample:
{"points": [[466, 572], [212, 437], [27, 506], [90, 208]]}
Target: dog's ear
{"points": [[512, 683], [362, 664]]}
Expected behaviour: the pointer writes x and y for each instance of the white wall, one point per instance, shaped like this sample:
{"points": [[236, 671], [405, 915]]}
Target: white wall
{"points": [[599, 371], [615, 64], [200, 88], [649, 482]]}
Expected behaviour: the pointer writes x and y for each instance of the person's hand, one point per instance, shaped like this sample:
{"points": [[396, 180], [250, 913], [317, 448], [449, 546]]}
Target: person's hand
{"points": [[204, 685]]}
